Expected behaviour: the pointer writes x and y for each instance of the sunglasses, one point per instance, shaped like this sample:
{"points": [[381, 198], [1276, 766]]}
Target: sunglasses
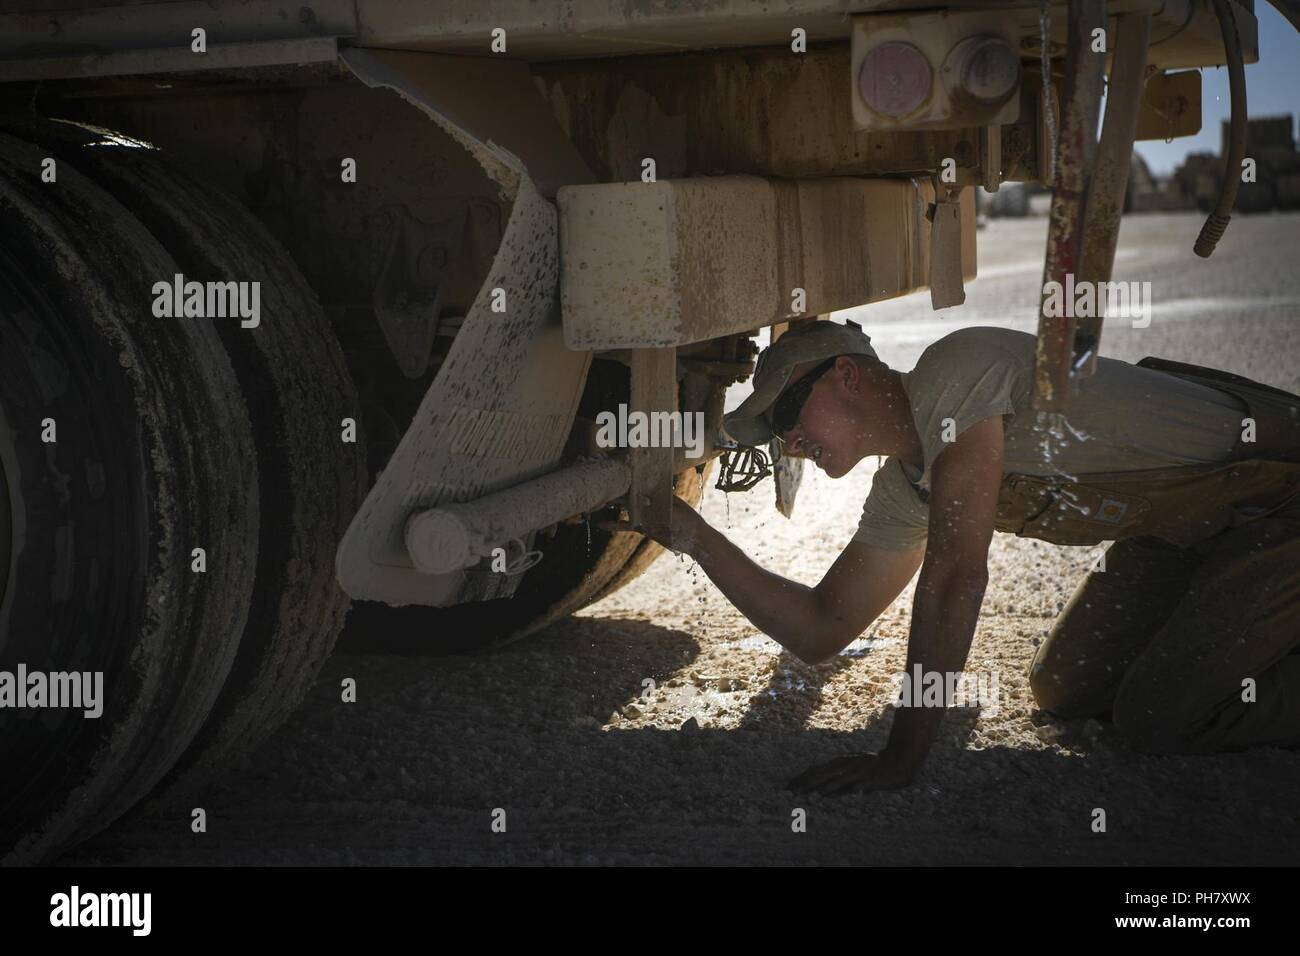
{"points": [[789, 404]]}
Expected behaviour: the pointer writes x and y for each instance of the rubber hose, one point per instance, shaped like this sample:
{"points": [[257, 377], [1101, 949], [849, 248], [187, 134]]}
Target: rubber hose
{"points": [[1217, 222], [1289, 9]]}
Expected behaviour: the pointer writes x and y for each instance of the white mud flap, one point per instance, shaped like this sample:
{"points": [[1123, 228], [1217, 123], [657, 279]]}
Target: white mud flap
{"points": [[501, 407]]}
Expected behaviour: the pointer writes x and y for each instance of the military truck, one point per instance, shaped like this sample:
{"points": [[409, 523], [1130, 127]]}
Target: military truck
{"points": [[313, 305]]}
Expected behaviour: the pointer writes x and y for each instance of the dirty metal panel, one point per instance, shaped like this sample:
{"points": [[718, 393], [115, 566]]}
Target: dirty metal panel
{"points": [[535, 30], [564, 29], [500, 409], [177, 59], [541, 29], [35, 29], [648, 265], [701, 114], [1171, 106], [491, 101], [1187, 35]]}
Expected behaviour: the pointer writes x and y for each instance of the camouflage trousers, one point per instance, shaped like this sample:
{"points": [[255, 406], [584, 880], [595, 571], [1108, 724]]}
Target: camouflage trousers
{"points": [[1189, 650]]}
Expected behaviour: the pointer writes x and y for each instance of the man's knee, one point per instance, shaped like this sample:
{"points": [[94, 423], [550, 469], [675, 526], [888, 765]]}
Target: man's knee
{"points": [[1046, 686], [1055, 690], [1063, 680]]}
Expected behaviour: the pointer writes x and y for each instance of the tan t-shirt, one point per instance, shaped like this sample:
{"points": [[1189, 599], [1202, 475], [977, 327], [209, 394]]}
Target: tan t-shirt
{"points": [[1123, 418]]}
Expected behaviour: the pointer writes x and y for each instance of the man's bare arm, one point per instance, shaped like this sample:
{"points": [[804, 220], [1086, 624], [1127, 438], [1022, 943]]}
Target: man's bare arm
{"points": [[813, 623], [963, 504]]}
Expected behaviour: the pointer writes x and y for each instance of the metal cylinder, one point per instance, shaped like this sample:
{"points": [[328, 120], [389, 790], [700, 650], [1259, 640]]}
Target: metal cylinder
{"points": [[458, 535]]}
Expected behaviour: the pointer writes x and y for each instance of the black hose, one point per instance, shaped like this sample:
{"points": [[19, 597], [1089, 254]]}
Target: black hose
{"points": [[1289, 9], [1217, 222]]}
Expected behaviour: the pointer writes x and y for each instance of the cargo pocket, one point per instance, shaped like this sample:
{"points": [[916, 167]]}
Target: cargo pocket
{"points": [[1021, 499], [1083, 515]]}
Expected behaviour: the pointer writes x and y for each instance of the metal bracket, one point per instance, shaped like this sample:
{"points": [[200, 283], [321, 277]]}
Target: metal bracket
{"points": [[408, 292], [990, 158], [654, 389], [947, 287]]}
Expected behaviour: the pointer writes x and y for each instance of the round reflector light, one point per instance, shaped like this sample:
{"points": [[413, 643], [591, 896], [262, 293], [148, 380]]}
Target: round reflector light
{"points": [[988, 69], [894, 79]]}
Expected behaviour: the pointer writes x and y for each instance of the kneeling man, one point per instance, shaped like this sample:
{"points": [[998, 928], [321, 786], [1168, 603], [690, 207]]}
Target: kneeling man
{"points": [[1188, 639]]}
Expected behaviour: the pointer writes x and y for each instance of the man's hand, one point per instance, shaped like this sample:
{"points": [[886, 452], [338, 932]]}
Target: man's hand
{"points": [[681, 538], [854, 773]]}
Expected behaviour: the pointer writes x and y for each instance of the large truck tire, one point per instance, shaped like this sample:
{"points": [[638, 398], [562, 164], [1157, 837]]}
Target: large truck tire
{"points": [[295, 379], [126, 446]]}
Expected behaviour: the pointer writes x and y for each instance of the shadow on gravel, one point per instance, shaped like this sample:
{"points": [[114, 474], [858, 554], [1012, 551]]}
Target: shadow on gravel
{"points": [[793, 693], [578, 670], [375, 628], [412, 773]]}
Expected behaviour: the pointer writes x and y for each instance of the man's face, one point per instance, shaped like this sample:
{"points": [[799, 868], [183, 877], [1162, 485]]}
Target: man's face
{"points": [[829, 430]]}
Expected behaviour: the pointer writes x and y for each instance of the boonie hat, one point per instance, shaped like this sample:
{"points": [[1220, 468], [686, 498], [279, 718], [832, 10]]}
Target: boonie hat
{"points": [[751, 423]]}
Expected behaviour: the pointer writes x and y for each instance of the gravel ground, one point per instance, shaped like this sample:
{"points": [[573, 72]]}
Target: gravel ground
{"points": [[591, 764]]}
